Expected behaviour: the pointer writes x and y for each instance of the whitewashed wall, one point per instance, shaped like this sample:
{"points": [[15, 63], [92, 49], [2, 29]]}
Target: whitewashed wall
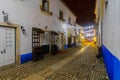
{"points": [[111, 27], [28, 14]]}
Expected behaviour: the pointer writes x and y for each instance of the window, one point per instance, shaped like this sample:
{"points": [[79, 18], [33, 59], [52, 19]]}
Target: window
{"points": [[45, 8], [45, 5], [61, 15], [69, 20]]}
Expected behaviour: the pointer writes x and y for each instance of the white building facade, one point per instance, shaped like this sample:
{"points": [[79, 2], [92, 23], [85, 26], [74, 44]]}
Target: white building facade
{"points": [[108, 22], [28, 14]]}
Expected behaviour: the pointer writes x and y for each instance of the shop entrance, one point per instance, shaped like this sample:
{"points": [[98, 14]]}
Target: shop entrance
{"points": [[36, 47]]}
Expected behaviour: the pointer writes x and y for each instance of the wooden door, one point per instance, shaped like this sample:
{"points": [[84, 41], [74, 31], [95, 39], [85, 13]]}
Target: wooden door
{"points": [[36, 49], [62, 40], [35, 38]]}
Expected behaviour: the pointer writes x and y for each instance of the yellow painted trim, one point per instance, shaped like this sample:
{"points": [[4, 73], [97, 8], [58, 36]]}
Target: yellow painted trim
{"points": [[17, 28], [45, 12], [62, 38], [18, 45], [9, 25], [47, 30], [102, 8], [99, 10]]}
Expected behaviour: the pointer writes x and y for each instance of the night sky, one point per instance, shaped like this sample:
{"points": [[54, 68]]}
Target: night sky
{"points": [[83, 9]]}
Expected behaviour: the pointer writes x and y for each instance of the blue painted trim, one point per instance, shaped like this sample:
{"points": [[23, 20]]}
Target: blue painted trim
{"points": [[112, 64], [65, 46], [26, 57]]}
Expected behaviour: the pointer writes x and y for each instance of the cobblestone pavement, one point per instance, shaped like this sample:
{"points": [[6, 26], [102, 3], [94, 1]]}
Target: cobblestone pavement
{"points": [[18, 72], [83, 67], [64, 66]]}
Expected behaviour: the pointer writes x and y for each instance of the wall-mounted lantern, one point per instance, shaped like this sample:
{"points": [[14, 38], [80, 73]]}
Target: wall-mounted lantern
{"points": [[5, 17], [23, 29]]}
